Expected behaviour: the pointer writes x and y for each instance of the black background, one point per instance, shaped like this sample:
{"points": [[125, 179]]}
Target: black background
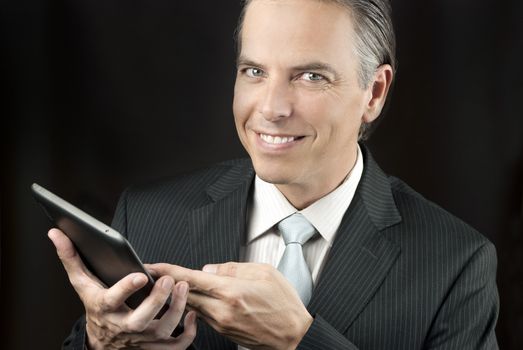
{"points": [[98, 95]]}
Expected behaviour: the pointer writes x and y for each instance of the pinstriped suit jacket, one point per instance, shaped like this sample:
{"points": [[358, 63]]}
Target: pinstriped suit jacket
{"points": [[402, 272]]}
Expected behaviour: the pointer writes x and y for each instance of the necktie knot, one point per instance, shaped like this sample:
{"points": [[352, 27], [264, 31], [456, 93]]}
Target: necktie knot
{"points": [[296, 229]]}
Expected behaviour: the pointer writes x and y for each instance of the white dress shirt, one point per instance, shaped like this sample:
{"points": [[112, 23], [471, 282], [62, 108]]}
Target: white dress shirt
{"points": [[264, 244]]}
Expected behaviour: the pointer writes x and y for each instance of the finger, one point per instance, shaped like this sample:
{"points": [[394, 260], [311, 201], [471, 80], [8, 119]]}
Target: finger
{"points": [[250, 271], [205, 305], [65, 250], [182, 342], [152, 271], [173, 315], [199, 280], [116, 296], [142, 316], [189, 333], [228, 269], [80, 278]]}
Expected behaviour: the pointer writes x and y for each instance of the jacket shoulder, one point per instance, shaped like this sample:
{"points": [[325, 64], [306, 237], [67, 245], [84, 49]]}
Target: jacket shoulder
{"points": [[425, 219], [189, 188], [153, 216]]}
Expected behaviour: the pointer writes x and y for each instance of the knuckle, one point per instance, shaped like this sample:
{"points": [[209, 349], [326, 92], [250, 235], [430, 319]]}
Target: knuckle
{"points": [[266, 272], [159, 298], [215, 290], [124, 287], [232, 297], [227, 294], [178, 306], [161, 333], [233, 267], [220, 328], [106, 303], [228, 269], [134, 326], [236, 302], [225, 319], [66, 253]]}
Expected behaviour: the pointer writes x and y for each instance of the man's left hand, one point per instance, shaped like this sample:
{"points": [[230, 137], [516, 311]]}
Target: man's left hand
{"points": [[252, 304]]}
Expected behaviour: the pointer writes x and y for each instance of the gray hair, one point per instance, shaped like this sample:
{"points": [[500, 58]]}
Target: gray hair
{"points": [[375, 38]]}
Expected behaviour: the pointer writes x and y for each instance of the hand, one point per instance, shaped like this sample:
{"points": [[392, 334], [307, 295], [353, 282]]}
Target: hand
{"points": [[253, 304], [111, 324]]}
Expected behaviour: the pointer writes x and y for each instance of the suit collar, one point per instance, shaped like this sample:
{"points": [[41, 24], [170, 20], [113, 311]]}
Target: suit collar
{"points": [[376, 193], [239, 175], [374, 188]]}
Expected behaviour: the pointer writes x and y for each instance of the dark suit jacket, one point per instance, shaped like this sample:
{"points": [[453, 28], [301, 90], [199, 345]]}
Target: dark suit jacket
{"points": [[402, 272]]}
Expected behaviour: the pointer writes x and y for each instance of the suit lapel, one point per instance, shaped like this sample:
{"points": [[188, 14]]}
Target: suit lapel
{"points": [[361, 256], [215, 229]]}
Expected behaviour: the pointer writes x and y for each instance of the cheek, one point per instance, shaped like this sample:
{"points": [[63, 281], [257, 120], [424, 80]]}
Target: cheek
{"points": [[324, 113], [335, 120], [239, 110], [242, 105]]}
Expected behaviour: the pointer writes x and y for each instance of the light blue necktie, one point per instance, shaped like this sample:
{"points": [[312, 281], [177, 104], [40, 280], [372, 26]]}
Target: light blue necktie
{"points": [[296, 230]]}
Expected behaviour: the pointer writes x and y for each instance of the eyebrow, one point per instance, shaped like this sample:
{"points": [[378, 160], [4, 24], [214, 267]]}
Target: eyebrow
{"points": [[313, 66], [244, 61]]}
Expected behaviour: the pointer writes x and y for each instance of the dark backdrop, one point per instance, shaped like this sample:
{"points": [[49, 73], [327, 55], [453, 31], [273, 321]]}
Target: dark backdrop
{"points": [[98, 95]]}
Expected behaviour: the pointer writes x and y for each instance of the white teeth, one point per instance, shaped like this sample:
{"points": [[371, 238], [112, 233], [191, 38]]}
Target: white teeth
{"points": [[276, 140]]}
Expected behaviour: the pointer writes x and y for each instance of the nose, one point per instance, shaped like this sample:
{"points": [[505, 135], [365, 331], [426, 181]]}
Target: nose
{"points": [[277, 100]]}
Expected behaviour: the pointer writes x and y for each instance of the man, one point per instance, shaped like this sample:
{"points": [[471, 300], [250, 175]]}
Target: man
{"points": [[384, 268]]}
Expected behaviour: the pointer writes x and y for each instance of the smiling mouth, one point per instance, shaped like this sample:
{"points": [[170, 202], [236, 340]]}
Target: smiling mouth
{"points": [[279, 140]]}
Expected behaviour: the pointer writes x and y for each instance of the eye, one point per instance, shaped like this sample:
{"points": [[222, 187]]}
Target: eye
{"points": [[254, 72], [310, 76]]}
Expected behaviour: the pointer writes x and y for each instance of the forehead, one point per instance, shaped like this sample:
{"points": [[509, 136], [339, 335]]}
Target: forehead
{"points": [[297, 29]]}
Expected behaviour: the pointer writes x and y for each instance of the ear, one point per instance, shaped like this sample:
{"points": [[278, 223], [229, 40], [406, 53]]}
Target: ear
{"points": [[378, 90]]}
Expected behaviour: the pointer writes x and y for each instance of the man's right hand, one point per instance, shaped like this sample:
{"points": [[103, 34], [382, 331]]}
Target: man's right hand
{"points": [[111, 324]]}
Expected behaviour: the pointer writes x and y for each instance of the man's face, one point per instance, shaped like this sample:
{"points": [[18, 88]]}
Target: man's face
{"points": [[298, 104]]}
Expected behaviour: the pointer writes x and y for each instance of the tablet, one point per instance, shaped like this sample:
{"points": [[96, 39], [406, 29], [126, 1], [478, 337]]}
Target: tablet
{"points": [[104, 251]]}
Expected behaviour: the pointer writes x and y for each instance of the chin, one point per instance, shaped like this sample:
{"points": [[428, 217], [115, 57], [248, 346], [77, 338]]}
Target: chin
{"points": [[274, 179], [272, 173]]}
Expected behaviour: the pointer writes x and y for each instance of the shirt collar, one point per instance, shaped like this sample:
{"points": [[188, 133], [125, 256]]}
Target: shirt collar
{"points": [[269, 206]]}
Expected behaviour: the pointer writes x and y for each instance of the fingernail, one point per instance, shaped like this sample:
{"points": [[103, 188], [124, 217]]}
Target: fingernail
{"points": [[51, 234], [182, 289], [210, 269], [167, 283]]}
